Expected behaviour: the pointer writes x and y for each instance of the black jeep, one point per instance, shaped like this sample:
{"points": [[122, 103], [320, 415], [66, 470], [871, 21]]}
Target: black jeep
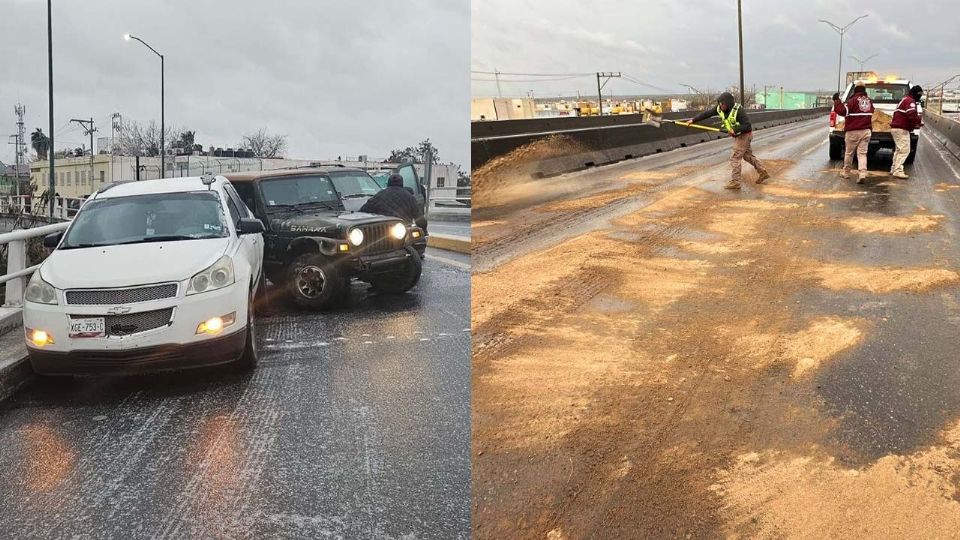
{"points": [[316, 240]]}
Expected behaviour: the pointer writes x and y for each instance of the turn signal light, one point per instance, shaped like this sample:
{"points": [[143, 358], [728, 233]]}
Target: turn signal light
{"points": [[415, 234], [214, 325], [344, 247], [39, 338]]}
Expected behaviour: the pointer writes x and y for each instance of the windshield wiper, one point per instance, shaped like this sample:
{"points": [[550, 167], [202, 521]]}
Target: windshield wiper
{"points": [[284, 207], [164, 238], [333, 205], [76, 246], [355, 196]]}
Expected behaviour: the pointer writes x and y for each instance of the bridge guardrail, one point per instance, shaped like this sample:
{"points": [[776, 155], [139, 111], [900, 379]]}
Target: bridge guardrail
{"points": [[17, 269], [624, 138], [63, 207]]}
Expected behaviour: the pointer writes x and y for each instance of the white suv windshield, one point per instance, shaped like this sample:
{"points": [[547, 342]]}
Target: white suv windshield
{"points": [[157, 217]]}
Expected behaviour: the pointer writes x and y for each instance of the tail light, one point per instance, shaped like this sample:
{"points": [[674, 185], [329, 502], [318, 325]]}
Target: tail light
{"points": [[833, 118]]}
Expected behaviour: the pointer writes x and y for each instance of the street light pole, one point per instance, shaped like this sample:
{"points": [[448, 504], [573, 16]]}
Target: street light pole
{"points": [[864, 61], [841, 31], [53, 186], [740, 33], [163, 168]]}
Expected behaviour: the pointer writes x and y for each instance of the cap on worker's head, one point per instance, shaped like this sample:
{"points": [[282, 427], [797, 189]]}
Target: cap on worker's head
{"points": [[726, 98], [916, 91], [859, 88], [395, 180]]}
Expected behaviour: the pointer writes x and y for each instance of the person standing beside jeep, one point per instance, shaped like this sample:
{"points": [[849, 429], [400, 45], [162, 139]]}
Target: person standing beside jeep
{"points": [[905, 120], [396, 201], [858, 114]]}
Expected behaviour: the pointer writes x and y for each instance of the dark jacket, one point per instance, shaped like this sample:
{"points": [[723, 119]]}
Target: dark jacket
{"points": [[906, 116], [742, 119], [395, 201], [858, 111]]}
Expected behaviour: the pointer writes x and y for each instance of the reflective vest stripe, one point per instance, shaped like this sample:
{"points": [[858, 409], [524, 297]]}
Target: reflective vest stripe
{"points": [[860, 114]]}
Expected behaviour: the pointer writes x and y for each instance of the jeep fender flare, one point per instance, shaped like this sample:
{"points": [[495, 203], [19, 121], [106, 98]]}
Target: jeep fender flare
{"points": [[305, 244]]}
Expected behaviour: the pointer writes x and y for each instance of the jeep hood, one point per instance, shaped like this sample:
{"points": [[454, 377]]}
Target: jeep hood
{"points": [[131, 264], [323, 222]]}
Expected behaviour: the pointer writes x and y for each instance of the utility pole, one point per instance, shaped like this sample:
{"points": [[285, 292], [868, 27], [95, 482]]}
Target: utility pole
{"points": [[88, 130], [116, 124], [20, 111], [740, 33], [607, 76], [496, 74], [781, 99], [53, 187]]}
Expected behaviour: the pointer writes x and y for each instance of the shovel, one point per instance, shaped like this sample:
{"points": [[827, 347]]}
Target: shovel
{"points": [[651, 118]]}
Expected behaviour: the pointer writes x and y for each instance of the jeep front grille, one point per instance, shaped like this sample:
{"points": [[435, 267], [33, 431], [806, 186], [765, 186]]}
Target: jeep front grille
{"points": [[377, 239], [112, 297]]}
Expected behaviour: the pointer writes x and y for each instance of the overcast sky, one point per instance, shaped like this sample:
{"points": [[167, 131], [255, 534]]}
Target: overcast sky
{"points": [[337, 77], [668, 42]]}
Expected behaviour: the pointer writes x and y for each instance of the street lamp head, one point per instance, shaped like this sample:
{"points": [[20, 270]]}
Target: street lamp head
{"points": [[126, 37]]}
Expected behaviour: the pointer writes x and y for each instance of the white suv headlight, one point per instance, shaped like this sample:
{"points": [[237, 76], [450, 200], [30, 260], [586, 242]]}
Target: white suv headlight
{"points": [[218, 276], [39, 291]]}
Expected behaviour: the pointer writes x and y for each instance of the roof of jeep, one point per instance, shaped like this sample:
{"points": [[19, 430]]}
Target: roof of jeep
{"points": [[257, 175]]}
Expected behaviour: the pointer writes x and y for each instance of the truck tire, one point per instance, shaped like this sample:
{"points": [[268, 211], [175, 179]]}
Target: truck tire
{"points": [[403, 279], [836, 149], [314, 282]]}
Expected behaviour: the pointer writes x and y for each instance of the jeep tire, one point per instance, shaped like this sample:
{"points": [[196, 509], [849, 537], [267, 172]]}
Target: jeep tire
{"points": [[836, 149], [403, 279], [314, 282]]}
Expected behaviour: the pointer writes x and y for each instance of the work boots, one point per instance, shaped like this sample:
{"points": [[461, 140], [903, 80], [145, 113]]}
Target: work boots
{"points": [[764, 175], [733, 184]]}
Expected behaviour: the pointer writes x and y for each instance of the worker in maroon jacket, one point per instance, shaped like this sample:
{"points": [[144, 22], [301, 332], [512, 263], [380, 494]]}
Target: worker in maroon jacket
{"points": [[905, 120], [858, 111]]}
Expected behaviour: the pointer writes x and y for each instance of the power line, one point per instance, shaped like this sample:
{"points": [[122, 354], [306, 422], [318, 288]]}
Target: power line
{"points": [[533, 74], [532, 80]]}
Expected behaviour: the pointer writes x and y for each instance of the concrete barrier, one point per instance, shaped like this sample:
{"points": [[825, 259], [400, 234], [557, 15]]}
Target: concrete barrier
{"points": [[604, 140], [15, 370], [458, 244], [946, 129]]}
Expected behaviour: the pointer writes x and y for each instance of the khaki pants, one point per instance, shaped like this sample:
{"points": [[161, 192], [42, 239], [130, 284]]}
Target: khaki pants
{"points": [[856, 141], [902, 139], [743, 152]]}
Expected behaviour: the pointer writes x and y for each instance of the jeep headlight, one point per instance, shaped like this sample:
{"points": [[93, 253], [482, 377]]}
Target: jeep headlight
{"points": [[399, 231], [355, 236], [39, 291], [217, 276]]}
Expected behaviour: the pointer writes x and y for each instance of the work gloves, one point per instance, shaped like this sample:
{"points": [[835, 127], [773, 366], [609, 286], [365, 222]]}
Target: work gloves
{"points": [[836, 96]]}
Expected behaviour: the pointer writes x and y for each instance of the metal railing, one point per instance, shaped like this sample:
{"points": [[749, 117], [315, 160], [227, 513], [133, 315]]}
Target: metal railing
{"points": [[17, 269], [28, 205]]}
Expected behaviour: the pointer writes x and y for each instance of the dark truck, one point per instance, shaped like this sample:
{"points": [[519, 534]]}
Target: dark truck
{"points": [[316, 240]]}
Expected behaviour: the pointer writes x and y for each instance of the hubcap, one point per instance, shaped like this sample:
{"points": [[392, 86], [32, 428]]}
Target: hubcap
{"points": [[310, 281]]}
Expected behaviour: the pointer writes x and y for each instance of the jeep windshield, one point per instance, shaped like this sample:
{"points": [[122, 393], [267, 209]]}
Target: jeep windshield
{"points": [[285, 193], [157, 217], [355, 184]]}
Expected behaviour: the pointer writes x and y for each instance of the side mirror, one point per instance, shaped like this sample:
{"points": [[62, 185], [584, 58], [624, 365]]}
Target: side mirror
{"points": [[52, 240], [249, 226]]}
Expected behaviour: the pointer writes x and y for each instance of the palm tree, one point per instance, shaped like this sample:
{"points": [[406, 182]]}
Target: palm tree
{"points": [[40, 143]]}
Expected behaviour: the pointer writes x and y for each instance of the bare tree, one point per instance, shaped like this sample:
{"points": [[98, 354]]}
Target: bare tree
{"points": [[265, 145], [138, 139]]}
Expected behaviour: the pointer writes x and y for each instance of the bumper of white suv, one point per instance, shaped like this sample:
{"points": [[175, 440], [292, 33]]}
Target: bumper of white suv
{"points": [[173, 344]]}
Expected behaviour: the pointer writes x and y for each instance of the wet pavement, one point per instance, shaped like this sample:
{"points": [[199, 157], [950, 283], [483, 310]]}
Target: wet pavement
{"points": [[355, 424]]}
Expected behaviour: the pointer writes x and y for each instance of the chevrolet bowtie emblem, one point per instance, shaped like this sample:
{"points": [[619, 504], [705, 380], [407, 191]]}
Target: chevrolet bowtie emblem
{"points": [[118, 310]]}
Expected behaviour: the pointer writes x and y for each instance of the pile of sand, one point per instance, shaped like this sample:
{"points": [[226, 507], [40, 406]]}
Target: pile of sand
{"points": [[881, 121], [509, 168]]}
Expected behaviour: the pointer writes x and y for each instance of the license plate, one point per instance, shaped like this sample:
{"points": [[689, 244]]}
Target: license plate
{"points": [[87, 327]]}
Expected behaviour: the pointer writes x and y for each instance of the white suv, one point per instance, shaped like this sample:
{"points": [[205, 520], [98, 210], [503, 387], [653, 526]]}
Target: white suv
{"points": [[150, 276]]}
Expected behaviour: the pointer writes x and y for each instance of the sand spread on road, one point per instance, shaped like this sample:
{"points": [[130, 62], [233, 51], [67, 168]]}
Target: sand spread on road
{"points": [[879, 280], [804, 350], [779, 495], [780, 190], [892, 224]]}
